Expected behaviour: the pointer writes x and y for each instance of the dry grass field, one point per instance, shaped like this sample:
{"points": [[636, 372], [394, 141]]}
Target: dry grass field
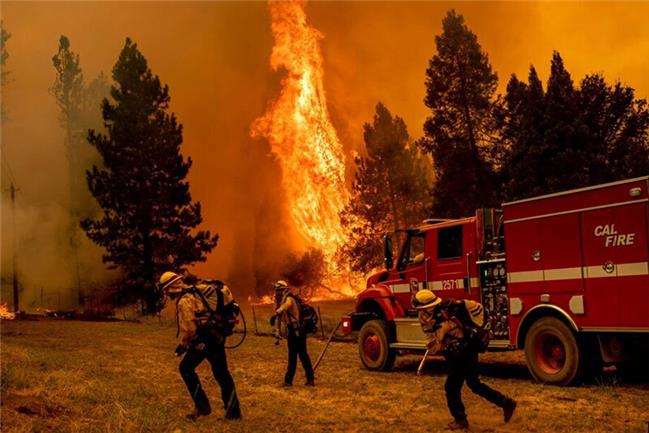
{"points": [[71, 376]]}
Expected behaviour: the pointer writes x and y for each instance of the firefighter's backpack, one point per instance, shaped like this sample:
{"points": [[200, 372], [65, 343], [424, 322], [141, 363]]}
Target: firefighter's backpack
{"points": [[471, 318], [308, 319], [220, 318]]}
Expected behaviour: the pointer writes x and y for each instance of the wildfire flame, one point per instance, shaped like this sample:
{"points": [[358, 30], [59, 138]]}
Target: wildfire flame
{"points": [[5, 314], [300, 132], [264, 300]]}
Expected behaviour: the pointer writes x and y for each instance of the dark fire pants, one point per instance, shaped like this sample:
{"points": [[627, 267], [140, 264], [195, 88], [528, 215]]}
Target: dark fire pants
{"points": [[297, 347], [215, 354], [464, 367]]}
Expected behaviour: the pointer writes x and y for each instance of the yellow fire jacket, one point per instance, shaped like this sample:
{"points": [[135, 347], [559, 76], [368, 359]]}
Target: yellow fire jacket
{"points": [[193, 313], [288, 313]]}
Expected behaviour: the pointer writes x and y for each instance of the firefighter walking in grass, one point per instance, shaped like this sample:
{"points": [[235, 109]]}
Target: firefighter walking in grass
{"points": [[448, 326], [205, 317], [288, 318]]}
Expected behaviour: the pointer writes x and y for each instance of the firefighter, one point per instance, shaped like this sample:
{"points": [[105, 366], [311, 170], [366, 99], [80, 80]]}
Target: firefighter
{"points": [[200, 340], [287, 317], [446, 336]]}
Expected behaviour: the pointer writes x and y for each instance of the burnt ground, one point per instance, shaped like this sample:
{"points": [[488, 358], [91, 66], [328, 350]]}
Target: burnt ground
{"points": [[71, 376]]}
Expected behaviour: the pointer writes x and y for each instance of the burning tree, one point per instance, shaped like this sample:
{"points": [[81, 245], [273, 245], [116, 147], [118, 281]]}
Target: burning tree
{"points": [[391, 190], [307, 271], [299, 129], [148, 211]]}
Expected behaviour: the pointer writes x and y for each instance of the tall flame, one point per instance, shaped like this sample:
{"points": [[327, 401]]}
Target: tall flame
{"points": [[300, 132]]}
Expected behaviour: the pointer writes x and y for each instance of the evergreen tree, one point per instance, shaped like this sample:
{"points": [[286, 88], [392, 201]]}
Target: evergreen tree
{"points": [[523, 170], [618, 130], [90, 117], [93, 95], [564, 143], [68, 92], [571, 137], [80, 106], [149, 216], [461, 130], [390, 191]]}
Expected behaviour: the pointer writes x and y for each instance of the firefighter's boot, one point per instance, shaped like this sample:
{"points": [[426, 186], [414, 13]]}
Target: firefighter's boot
{"points": [[458, 424], [198, 413], [233, 415], [508, 409]]}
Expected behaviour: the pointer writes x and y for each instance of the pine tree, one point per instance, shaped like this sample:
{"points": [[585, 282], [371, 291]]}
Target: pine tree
{"points": [[149, 216], [390, 191], [569, 137], [461, 129], [565, 140], [68, 92], [523, 170], [618, 130]]}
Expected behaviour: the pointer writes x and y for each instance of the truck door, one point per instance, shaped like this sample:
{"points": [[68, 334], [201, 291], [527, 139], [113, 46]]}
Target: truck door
{"points": [[615, 267], [413, 263], [451, 277]]}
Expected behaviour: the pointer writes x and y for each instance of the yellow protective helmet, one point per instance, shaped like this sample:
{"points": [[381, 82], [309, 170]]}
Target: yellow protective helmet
{"points": [[167, 279], [425, 299], [280, 285]]}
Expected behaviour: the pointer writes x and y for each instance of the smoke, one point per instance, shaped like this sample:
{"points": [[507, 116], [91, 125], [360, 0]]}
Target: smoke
{"points": [[214, 57], [219, 82], [44, 261]]}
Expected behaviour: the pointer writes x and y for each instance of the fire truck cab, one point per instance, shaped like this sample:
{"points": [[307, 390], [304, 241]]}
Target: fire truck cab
{"points": [[563, 276]]}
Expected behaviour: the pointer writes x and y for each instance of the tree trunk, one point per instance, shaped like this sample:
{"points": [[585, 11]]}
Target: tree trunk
{"points": [[147, 274]]}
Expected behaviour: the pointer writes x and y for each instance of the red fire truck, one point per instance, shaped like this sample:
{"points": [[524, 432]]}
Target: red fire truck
{"points": [[563, 276]]}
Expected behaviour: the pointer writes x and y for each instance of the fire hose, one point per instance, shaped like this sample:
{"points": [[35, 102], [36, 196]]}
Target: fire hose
{"points": [[243, 334], [326, 346]]}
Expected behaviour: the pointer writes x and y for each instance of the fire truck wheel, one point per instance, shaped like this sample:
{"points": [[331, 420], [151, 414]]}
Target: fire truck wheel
{"points": [[373, 345], [552, 352]]}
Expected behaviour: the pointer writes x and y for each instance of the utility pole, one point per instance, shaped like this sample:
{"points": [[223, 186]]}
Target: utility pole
{"points": [[13, 246]]}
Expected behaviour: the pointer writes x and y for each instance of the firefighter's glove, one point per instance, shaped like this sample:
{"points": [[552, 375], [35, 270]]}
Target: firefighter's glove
{"points": [[180, 349], [273, 319]]}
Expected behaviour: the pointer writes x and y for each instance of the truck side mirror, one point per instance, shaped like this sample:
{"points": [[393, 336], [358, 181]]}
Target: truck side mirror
{"points": [[387, 251]]}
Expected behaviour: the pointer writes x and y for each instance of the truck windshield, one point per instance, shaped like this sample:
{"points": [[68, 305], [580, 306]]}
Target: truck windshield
{"points": [[413, 250]]}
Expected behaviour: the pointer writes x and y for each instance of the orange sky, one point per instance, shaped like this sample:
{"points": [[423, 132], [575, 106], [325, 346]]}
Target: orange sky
{"points": [[215, 58]]}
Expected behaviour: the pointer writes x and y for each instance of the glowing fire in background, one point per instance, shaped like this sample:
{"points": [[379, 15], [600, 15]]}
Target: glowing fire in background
{"points": [[300, 132], [5, 313]]}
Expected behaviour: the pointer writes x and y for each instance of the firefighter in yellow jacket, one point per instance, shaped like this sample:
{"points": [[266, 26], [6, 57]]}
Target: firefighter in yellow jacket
{"points": [[198, 341], [447, 337], [288, 313]]}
